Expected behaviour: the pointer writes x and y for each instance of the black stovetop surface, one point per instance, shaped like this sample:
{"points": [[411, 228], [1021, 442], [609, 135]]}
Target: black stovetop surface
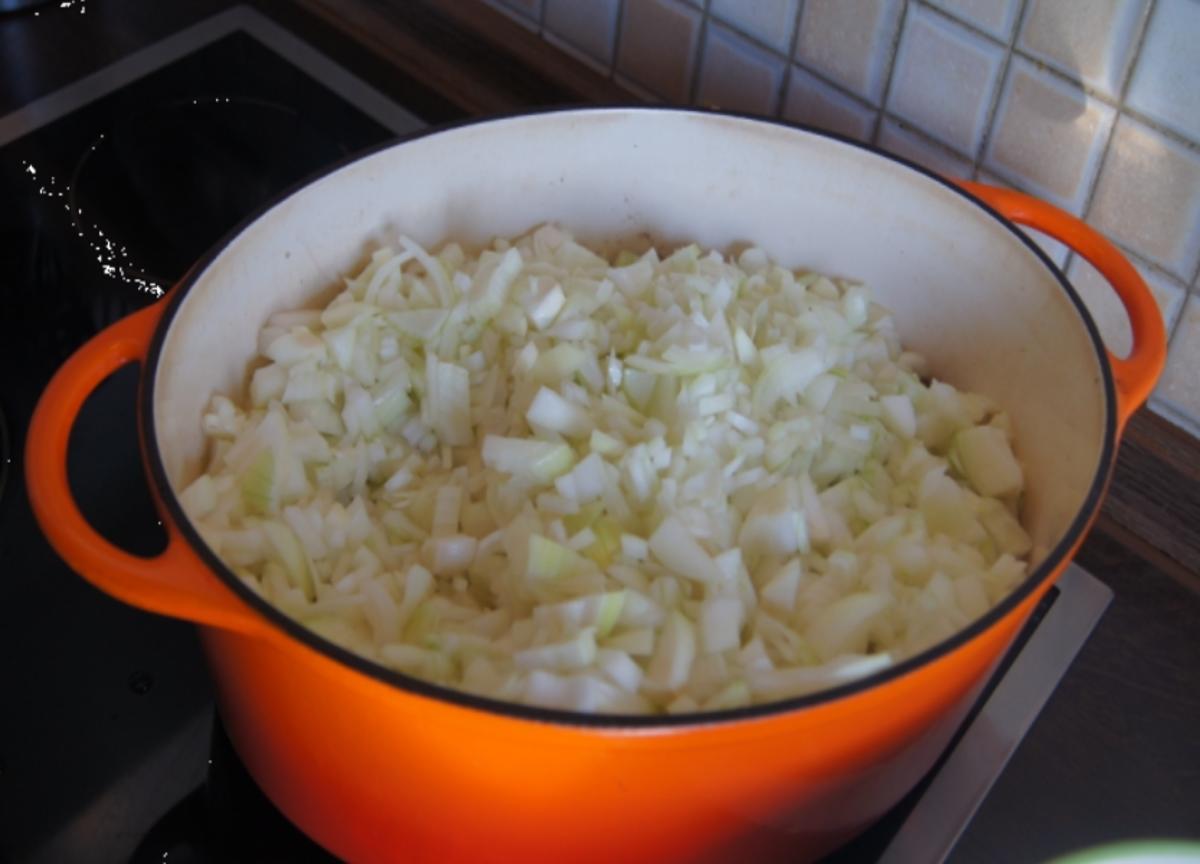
{"points": [[102, 209]]}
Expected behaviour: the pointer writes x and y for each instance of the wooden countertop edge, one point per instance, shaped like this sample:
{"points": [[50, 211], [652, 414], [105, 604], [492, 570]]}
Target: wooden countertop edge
{"points": [[486, 63]]}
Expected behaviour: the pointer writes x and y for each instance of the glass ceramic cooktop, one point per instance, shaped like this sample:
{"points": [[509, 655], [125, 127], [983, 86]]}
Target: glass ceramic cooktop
{"points": [[109, 749]]}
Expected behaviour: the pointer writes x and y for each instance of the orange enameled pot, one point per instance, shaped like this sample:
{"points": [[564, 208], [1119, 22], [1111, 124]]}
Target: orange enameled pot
{"points": [[377, 766]]}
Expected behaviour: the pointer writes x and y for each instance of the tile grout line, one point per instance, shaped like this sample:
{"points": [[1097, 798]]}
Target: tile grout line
{"points": [[616, 47], [701, 44], [836, 87], [1001, 84], [790, 60], [924, 137], [886, 93], [1189, 290], [1140, 261], [1135, 54], [575, 52], [640, 91], [947, 15], [893, 49], [1190, 294], [1174, 326]]}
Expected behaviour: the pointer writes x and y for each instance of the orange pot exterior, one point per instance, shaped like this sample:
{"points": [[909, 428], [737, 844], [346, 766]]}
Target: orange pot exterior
{"points": [[392, 776], [376, 772]]}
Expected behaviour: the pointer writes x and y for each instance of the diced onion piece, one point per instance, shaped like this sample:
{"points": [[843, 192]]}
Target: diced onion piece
{"points": [[780, 592], [720, 623], [842, 627], [287, 548], [987, 461], [676, 651], [577, 652], [551, 411], [452, 553], [677, 549], [899, 415], [541, 460], [547, 559]]}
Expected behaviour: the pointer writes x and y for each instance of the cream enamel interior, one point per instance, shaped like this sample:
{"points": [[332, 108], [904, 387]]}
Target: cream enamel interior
{"points": [[988, 314]]}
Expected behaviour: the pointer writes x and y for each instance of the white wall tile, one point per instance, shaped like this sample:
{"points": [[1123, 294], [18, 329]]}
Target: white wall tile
{"points": [[1048, 135], [1089, 40], [1180, 384], [1148, 197], [588, 26], [944, 79], [737, 74], [1106, 308], [894, 138], [658, 46], [769, 21], [1166, 80], [815, 103], [994, 17], [849, 42]]}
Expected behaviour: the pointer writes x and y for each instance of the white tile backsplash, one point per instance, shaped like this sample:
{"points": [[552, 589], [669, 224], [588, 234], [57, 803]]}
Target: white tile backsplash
{"points": [[894, 138], [1166, 81], [738, 75], [1106, 308], [771, 22], [944, 79], [1088, 40], [994, 17], [1093, 105], [1148, 197], [658, 46], [1048, 136], [589, 27], [813, 102], [849, 42]]}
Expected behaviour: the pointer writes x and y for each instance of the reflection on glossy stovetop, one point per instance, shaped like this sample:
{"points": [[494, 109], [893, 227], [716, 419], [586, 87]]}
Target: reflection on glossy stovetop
{"points": [[104, 207]]}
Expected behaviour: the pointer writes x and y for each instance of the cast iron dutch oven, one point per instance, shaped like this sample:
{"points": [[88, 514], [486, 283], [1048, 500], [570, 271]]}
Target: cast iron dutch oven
{"points": [[378, 766]]}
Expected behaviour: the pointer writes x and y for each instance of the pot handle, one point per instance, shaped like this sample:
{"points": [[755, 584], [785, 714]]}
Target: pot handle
{"points": [[176, 582], [1135, 375]]}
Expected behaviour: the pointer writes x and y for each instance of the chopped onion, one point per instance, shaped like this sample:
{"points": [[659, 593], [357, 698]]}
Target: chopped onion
{"points": [[640, 485]]}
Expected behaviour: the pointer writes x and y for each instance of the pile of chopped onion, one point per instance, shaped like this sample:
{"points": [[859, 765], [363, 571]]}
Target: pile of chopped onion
{"points": [[642, 485]]}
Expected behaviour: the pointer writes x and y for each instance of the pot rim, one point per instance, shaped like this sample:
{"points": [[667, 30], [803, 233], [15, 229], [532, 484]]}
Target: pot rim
{"points": [[1057, 556]]}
